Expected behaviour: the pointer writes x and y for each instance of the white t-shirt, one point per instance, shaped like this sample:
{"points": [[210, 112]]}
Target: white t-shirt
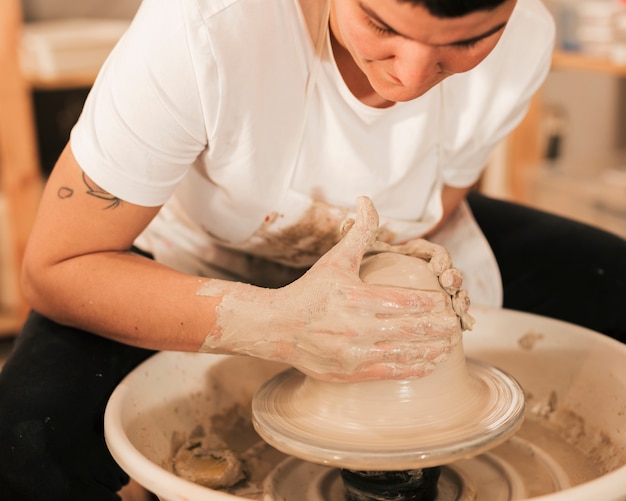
{"points": [[234, 115]]}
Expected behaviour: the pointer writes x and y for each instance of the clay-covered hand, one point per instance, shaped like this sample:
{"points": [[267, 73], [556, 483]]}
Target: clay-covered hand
{"points": [[333, 326], [440, 263]]}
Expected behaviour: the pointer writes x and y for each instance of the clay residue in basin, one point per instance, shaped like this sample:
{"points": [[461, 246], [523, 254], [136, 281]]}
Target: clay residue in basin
{"points": [[582, 451], [602, 454], [528, 340], [232, 435], [227, 424]]}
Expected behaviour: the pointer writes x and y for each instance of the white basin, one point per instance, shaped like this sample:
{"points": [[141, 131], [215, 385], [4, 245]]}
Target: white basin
{"points": [[573, 378]]}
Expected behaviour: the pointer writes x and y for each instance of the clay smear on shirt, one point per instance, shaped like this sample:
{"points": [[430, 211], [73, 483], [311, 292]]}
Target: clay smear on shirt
{"points": [[304, 242]]}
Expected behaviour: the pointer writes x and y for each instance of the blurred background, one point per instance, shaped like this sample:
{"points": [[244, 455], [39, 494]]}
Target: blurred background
{"points": [[568, 156]]}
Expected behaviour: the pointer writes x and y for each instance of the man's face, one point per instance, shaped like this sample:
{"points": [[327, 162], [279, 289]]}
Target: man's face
{"points": [[404, 51]]}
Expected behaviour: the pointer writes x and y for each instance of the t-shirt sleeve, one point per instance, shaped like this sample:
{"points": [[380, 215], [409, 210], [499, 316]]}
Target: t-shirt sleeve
{"points": [[142, 125], [495, 98]]}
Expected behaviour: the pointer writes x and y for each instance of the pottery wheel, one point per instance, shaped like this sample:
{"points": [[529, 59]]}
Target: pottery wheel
{"points": [[388, 425]]}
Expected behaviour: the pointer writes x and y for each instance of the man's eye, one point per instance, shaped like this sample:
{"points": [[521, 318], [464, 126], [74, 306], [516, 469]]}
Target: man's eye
{"points": [[378, 28], [467, 45]]}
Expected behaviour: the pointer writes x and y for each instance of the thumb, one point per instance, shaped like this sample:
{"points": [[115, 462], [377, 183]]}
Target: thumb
{"points": [[360, 235]]}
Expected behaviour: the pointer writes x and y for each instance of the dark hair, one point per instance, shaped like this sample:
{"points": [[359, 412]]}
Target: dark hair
{"points": [[455, 8]]}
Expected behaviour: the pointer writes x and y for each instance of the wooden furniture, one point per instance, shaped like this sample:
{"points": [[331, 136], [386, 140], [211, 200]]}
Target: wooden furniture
{"points": [[20, 174], [78, 80], [524, 145], [20, 180], [572, 61]]}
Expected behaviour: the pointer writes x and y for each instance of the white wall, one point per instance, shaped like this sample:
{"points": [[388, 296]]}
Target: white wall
{"points": [[595, 111], [588, 182]]}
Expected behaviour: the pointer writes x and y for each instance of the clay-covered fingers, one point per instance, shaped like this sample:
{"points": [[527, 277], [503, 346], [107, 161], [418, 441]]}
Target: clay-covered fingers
{"points": [[461, 303], [373, 303], [388, 359], [439, 260], [363, 231], [374, 371], [368, 332], [437, 256], [451, 280], [358, 235]]}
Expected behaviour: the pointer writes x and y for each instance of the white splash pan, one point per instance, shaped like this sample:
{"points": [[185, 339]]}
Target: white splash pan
{"points": [[174, 392]]}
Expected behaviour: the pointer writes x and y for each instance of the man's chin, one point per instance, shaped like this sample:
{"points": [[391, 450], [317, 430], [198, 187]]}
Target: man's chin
{"points": [[402, 95]]}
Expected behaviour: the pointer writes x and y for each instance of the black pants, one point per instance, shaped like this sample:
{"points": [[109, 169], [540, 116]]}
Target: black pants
{"points": [[54, 388], [556, 267], [53, 392]]}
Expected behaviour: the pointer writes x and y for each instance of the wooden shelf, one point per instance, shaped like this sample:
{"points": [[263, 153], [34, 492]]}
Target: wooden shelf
{"points": [[21, 181], [66, 81], [67, 53], [20, 178], [523, 143], [582, 62]]}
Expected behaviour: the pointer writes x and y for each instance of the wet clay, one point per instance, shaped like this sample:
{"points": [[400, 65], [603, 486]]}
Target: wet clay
{"points": [[390, 425], [446, 413], [302, 242], [208, 463], [225, 454], [552, 451]]}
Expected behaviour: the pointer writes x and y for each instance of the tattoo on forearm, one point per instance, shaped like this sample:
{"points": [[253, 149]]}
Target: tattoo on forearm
{"points": [[92, 189], [96, 191], [65, 192]]}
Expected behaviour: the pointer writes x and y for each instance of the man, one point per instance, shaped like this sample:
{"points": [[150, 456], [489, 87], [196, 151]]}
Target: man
{"points": [[229, 141]]}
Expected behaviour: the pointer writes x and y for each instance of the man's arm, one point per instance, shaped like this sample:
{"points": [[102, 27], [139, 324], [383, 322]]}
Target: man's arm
{"points": [[328, 323], [450, 199], [78, 270]]}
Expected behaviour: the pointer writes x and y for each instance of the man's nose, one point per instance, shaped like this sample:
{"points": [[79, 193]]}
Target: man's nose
{"points": [[417, 64]]}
